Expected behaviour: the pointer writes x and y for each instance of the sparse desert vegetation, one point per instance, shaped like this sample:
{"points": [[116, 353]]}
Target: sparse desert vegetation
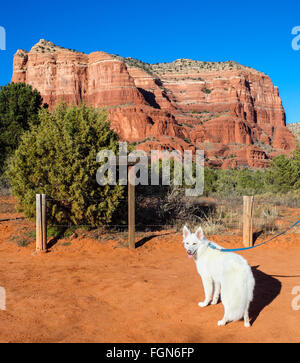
{"points": [[88, 224]]}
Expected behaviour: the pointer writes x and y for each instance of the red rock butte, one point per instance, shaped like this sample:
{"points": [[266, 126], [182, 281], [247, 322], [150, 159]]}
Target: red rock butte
{"points": [[232, 112]]}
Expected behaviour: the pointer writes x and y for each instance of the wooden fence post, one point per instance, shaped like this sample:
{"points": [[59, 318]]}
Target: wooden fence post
{"points": [[41, 223], [131, 208], [247, 221], [39, 242], [44, 222]]}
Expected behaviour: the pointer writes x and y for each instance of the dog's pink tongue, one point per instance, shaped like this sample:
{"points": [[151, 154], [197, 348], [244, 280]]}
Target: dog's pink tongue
{"points": [[190, 256]]}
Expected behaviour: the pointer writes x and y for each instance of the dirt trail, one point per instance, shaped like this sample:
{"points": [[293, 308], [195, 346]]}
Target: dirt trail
{"points": [[98, 291]]}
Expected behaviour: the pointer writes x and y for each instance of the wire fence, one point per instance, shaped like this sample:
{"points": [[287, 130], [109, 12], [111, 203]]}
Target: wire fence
{"points": [[221, 215]]}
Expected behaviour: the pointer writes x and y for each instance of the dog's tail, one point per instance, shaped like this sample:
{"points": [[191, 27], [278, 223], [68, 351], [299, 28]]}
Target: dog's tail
{"points": [[238, 293]]}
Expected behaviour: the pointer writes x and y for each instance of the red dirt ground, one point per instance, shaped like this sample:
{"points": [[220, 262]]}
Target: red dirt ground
{"points": [[98, 291]]}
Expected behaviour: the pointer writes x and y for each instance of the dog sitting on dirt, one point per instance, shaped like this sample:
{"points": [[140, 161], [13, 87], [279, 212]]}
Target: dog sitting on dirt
{"points": [[223, 273]]}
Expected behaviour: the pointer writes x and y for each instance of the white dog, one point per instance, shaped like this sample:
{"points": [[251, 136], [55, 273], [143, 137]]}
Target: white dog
{"points": [[221, 272]]}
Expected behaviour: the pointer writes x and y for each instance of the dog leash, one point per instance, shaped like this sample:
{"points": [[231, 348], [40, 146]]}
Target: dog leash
{"points": [[249, 248]]}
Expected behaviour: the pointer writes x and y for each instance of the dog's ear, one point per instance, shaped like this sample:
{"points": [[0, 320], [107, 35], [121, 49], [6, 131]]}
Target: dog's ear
{"points": [[186, 232], [199, 233]]}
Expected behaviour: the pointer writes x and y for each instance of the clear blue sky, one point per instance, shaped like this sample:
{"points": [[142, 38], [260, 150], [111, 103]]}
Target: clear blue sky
{"points": [[256, 33]]}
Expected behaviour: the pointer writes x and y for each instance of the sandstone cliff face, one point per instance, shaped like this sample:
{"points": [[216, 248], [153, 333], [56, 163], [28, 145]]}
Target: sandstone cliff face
{"points": [[295, 130], [232, 112]]}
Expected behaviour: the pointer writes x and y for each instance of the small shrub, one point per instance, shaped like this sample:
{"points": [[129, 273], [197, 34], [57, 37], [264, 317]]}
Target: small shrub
{"points": [[58, 158], [212, 225], [284, 173], [22, 242]]}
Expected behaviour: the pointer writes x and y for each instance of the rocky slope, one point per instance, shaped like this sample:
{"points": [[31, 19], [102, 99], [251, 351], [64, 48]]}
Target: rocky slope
{"points": [[231, 111], [295, 130]]}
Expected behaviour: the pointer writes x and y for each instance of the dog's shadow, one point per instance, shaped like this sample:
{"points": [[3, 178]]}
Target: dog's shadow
{"points": [[267, 288]]}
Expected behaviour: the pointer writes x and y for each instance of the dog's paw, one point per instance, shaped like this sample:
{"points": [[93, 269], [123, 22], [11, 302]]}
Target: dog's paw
{"points": [[203, 304], [221, 322], [214, 302], [247, 325]]}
